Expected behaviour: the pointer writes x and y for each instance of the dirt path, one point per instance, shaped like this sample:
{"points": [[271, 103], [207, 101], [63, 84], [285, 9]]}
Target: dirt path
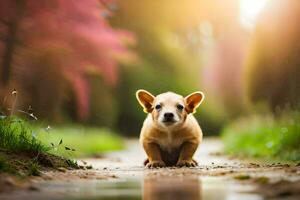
{"points": [[120, 175]]}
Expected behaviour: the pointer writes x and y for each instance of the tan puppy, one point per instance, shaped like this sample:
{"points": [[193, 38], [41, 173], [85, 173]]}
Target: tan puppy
{"points": [[170, 134]]}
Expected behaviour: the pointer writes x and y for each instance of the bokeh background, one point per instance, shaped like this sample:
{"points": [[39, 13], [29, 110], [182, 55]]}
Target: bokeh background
{"points": [[80, 62]]}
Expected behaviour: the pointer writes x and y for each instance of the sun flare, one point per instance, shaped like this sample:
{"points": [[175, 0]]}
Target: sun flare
{"points": [[249, 10]]}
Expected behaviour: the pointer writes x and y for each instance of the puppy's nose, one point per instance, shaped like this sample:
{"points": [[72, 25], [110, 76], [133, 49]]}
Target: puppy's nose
{"points": [[168, 115]]}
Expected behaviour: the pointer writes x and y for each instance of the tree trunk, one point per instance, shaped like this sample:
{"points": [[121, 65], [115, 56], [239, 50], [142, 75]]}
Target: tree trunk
{"points": [[10, 44]]}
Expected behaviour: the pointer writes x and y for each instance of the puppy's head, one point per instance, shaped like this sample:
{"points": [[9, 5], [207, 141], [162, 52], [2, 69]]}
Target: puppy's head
{"points": [[169, 109]]}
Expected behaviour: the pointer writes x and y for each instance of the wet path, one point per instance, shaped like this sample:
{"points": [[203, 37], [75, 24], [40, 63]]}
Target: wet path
{"points": [[120, 175]]}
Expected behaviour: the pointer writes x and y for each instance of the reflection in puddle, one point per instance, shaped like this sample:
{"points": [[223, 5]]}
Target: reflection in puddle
{"points": [[171, 188], [151, 188], [211, 188]]}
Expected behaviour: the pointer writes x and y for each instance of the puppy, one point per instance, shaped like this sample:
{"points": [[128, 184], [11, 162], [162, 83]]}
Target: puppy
{"points": [[170, 134]]}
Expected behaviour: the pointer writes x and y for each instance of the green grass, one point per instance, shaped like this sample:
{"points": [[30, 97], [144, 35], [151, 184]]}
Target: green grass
{"points": [[265, 137], [16, 139], [5, 166], [33, 168], [19, 136], [25, 149], [85, 141], [15, 135]]}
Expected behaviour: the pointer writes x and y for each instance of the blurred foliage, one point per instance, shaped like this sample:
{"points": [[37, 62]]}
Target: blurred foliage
{"points": [[103, 104], [271, 81], [273, 67], [265, 136], [78, 141], [70, 40], [37, 86]]}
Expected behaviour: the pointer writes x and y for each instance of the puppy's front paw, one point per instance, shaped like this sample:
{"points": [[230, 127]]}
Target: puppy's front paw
{"points": [[155, 164], [186, 163]]}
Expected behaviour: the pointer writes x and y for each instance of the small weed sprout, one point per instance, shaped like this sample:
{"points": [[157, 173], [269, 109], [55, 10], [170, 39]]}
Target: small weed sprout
{"points": [[58, 147], [34, 168]]}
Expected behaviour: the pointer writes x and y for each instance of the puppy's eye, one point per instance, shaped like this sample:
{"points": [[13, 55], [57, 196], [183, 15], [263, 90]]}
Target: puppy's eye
{"points": [[158, 106], [180, 107]]}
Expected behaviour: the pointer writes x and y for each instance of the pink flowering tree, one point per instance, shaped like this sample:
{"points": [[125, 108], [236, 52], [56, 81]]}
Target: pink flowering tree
{"points": [[78, 28]]}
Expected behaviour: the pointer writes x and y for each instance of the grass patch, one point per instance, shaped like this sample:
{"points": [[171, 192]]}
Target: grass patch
{"points": [[5, 166], [80, 141], [15, 135], [33, 168], [265, 137], [22, 153], [25, 150]]}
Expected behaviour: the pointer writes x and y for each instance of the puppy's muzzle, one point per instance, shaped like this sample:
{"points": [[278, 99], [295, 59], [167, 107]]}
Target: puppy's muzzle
{"points": [[169, 118]]}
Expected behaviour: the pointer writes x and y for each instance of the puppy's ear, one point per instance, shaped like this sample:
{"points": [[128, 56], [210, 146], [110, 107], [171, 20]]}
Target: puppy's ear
{"points": [[146, 99], [193, 100]]}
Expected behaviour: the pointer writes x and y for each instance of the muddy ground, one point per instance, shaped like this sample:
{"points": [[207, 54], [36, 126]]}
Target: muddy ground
{"points": [[121, 175]]}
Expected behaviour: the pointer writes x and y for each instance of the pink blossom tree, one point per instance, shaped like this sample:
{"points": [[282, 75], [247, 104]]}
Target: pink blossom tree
{"points": [[76, 27]]}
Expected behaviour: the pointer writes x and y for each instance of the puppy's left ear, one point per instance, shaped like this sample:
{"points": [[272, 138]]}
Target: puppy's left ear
{"points": [[145, 99], [193, 100]]}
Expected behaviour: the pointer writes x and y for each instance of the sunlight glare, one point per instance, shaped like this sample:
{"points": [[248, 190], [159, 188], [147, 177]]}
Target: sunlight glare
{"points": [[249, 10]]}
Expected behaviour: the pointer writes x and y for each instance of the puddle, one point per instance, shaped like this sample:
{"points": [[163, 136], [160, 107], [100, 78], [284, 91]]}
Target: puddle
{"points": [[212, 188]]}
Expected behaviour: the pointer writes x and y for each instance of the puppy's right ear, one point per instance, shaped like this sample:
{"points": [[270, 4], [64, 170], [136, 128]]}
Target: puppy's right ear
{"points": [[146, 99]]}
